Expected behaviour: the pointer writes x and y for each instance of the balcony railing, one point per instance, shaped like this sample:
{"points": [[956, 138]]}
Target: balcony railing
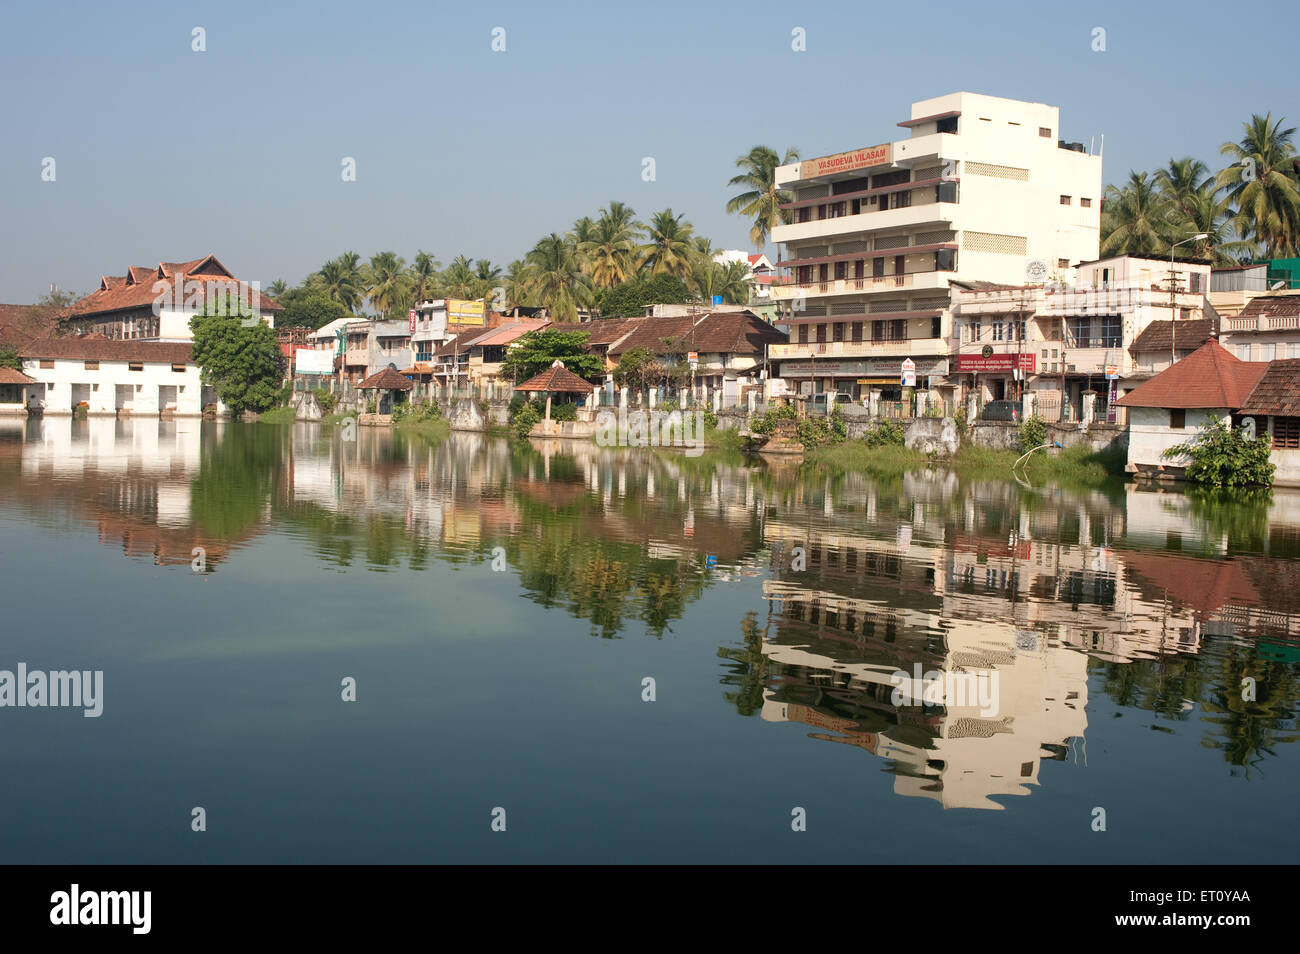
{"points": [[846, 286], [874, 346], [1264, 323]]}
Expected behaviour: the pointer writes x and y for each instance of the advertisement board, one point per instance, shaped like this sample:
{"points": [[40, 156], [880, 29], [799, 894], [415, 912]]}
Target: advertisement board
{"points": [[845, 161], [978, 363], [464, 312], [312, 361]]}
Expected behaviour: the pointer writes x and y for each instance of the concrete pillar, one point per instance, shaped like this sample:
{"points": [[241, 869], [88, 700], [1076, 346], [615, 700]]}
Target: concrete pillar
{"points": [[1088, 401], [972, 407], [653, 397], [717, 401], [622, 396], [1027, 405], [681, 397], [873, 402], [753, 401]]}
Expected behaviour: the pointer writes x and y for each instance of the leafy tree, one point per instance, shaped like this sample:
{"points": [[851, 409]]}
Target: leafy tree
{"points": [[639, 368], [536, 351], [306, 308], [459, 279], [1222, 456], [610, 252], [237, 354], [728, 279], [388, 285], [761, 198], [424, 276], [1135, 218], [629, 299], [9, 359], [343, 280]]}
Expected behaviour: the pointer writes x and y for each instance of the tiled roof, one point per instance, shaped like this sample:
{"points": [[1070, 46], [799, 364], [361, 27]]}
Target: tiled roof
{"points": [[505, 334], [556, 378], [1273, 306], [722, 332], [135, 290], [10, 376], [387, 380], [1278, 391], [1188, 333], [11, 337], [97, 348], [1208, 377], [601, 331]]}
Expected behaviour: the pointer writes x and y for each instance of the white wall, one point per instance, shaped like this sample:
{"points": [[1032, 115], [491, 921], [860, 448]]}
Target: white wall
{"points": [[54, 390], [1150, 433]]}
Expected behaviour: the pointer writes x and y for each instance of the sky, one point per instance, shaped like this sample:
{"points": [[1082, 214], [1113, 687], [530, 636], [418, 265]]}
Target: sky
{"points": [[164, 153]]}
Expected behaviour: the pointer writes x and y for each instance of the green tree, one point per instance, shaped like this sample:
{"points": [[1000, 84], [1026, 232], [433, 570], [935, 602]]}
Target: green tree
{"points": [[518, 293], [728, 279], [1262, 183], [610, 253], [556, 278], [459, 279], [668, 249], [1223, 456], [9, 359], [761, 199], [238, 355], [388, 285], [639, 368], [424, 276], [1135, 218], [309, 309], [629, 299], [343, 280], [538, 350]]}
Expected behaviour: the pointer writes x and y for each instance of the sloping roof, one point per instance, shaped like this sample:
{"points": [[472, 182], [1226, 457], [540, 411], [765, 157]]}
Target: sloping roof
{"points": [[10, 376], [600, 331], [723, 332], [1188, 333], [505, 334], [11, 337], [387, 380], [135, 290], [1208, 377], [556, 378], [1273, 306], [1277, 392], [99, 348]]}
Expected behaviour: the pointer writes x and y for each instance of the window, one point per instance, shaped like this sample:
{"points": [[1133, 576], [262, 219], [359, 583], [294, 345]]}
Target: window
{"points": [[1243, 352], [1286, 432], [135, 366], [1065, 200], [1112, 332], [857, 331], [997, 330], [838, 334], [1045, 132], [1085, 203], [179, 367], [1080, 332], [976, 331], [47, 363], [1266, 352], [1196, 283], [946, 125], [91, 365], [1177, 418], [803, 334]]}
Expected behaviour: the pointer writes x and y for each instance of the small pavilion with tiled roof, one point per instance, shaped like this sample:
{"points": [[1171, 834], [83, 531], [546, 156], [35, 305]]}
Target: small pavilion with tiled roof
{"points": [[13, 391], [557, 379], [389, 383]]}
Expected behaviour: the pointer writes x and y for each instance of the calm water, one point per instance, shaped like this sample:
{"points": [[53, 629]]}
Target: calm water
{"points": [[770, 607]]}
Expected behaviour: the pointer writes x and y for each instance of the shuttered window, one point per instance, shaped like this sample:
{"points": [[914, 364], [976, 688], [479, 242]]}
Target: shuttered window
{"points": [[1286, 432]]}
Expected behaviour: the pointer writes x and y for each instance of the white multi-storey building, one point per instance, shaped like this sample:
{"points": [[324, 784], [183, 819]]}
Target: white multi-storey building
{"points": [[983, 188]]}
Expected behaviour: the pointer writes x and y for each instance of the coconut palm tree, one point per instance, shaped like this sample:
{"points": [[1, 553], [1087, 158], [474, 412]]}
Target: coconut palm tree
{"points": [[1134, 219], [517, 284], [610, 256], [1262, 184], [389, 286], [459, 279], [761, 198], [424, 276], [277, 288], [341, 279], [728, 279], [556, 278], [669, 248], [584, 230]]}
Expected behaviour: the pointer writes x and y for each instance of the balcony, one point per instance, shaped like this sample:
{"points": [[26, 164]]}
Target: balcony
{"points": [[1256, 323], [851, 286], [920, 214], [852, 349], [356, 357]]}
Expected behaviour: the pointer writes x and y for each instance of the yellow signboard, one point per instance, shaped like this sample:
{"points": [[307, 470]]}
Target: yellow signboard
{"points": [[464, 312], [845, 161]]}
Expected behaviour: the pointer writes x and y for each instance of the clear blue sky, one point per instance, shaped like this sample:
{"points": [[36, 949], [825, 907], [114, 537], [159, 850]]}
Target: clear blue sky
{"points": [[165, 153]]}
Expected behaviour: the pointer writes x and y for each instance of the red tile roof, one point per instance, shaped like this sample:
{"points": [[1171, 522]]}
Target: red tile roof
{"points": [[10, 376], [1189, 333], [1277, 394], [135, 290], [1208, 377], [387, 380], [98, 348], [719, 332], [1273, 306], [556, 378]]}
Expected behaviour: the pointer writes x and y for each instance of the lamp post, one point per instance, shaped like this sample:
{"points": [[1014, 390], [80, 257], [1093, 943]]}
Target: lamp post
{"points": [[1173, 291]]}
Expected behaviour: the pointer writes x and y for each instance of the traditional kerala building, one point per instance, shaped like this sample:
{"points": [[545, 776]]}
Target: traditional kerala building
{"points": [[157, 302], [113, 377]]}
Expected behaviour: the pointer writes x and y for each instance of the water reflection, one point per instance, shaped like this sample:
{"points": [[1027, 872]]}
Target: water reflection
{"points": [[1160, 602]]}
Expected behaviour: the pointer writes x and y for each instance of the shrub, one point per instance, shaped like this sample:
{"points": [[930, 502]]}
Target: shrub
{"points": [[710, 419], [885, 434], [1223, 456], [766, 424], [327, 400], [562, 412], [524, 418], [1032, 433]]}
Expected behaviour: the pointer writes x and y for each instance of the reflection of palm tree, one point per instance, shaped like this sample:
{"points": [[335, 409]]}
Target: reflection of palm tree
{"points": [[749, 672], [1248, 730]]}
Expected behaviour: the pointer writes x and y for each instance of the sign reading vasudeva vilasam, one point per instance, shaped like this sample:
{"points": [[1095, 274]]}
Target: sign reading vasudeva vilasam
{"points": [[846, 161]]}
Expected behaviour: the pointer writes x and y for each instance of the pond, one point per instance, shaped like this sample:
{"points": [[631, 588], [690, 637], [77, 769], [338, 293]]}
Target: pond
{"points": [[388, 649]]}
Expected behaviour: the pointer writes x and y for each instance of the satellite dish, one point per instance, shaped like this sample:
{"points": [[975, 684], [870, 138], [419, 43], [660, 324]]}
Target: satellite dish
{"points": [[1276, 285]]}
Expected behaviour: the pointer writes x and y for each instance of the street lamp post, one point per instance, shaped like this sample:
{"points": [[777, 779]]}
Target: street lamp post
{"points": [[1173, 291]]}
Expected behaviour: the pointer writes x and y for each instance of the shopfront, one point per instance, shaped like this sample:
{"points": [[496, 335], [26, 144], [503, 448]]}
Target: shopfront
{"points": [[859, 378]]}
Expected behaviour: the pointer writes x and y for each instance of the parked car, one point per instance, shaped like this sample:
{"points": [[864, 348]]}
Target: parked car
{"points": [[1001, 411]]}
